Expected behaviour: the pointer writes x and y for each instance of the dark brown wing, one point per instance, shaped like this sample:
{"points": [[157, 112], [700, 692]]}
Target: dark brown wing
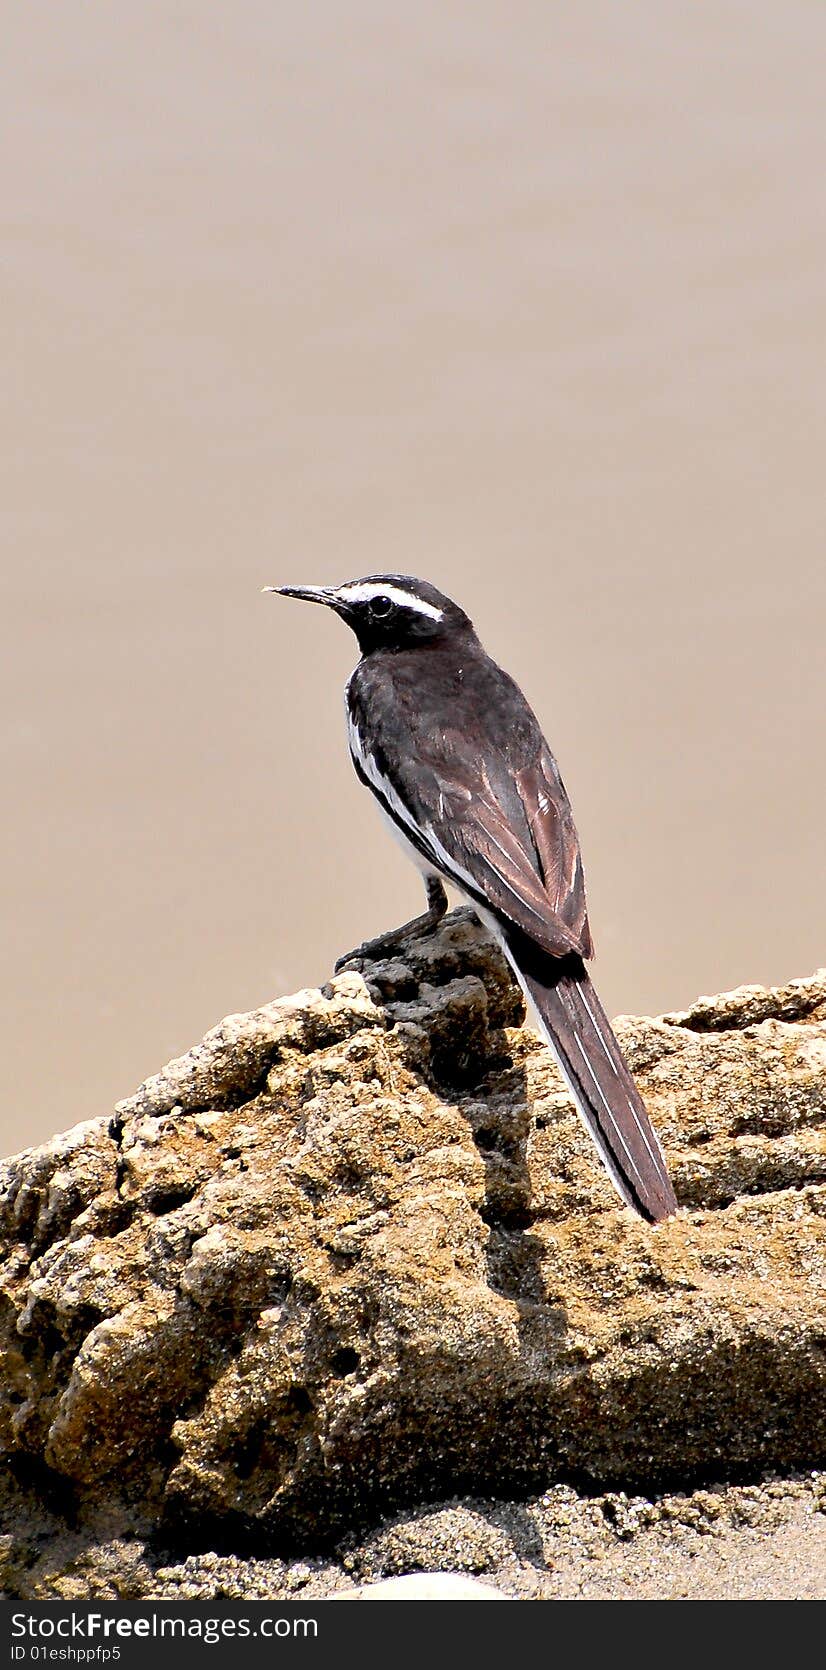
{"points": [[508, 837], [480, 797], [556, 844]]}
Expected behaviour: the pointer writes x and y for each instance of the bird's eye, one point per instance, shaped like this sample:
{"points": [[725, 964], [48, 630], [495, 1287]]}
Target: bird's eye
{"points": [[381, 607]]}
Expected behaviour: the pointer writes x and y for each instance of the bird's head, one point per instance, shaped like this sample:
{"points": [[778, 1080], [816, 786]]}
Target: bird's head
{"points": [[387, 611]]}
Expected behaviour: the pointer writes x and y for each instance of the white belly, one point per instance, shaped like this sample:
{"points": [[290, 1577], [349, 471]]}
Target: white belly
{"points": [[407, 847]]}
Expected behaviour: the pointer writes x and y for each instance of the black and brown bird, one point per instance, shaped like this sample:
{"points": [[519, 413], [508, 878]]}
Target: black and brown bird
{"points": [[447, 744]]}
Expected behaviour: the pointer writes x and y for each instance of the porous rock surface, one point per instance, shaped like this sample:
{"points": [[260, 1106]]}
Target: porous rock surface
{"points": [[354, 1252]]}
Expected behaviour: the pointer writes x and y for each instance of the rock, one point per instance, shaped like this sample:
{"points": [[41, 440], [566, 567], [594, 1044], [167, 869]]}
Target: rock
{"points": [[425, 1585], [355, 1252]]}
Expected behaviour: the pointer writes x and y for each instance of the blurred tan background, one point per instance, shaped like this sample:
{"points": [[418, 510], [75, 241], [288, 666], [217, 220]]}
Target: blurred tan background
{"points": [[526, 298]]}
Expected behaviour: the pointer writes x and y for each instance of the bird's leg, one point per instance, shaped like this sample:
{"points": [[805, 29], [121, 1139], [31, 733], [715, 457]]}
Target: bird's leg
{"points": [[420, 925]]}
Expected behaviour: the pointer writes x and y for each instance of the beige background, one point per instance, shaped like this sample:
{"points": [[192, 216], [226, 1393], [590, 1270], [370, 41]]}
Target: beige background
{"points": [[528, 298]]}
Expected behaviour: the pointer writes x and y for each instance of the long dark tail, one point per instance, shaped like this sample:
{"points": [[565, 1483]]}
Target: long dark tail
{"points": [[575, 1025]]}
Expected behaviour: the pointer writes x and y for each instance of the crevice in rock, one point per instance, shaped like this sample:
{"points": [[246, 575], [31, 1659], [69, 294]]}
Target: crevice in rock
{"points": [[169, 1200], [341, 1518], [695, 1198], [56, 1494], [116, 1129], [345, 1361]]}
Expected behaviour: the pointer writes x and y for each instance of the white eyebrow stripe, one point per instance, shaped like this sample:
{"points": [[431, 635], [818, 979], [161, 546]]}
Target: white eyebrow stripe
{"points": [[365, 593]]}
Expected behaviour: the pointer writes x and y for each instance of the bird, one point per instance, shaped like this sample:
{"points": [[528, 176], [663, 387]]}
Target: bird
{"points": [[453, 754]]}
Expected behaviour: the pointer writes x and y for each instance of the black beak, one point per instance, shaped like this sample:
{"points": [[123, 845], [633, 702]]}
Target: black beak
{"points": [[310, 594]]}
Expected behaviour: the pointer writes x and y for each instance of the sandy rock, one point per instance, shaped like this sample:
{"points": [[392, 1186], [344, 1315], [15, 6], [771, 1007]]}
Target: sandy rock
{"points": [[354, 1250], [425, 1585]]}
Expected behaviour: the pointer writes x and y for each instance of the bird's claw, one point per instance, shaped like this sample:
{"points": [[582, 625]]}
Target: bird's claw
{"points": [[371, 951], [349, 957]]}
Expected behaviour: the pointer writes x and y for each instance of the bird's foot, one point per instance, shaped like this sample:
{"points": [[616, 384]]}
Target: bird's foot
{"points": [[374, 949]]}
